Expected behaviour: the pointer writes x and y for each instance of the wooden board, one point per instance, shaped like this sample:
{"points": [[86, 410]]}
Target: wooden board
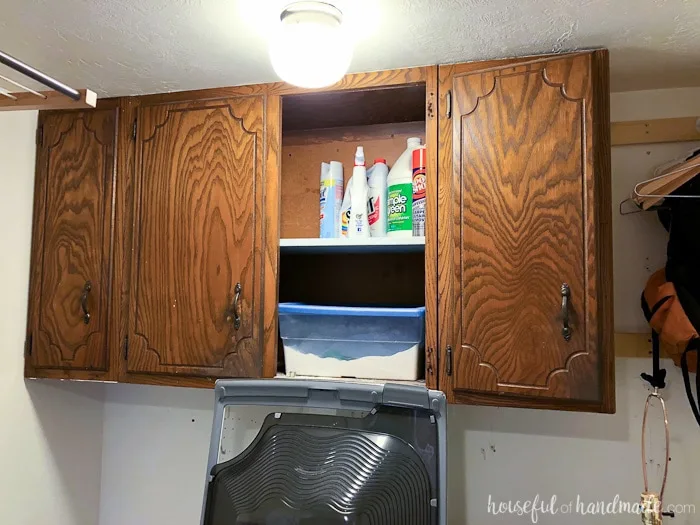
{"points": [[303, 153], [682, 129]]}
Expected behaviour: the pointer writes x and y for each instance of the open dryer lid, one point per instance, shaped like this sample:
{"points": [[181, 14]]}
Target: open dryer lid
{"points": [[289, 452]]}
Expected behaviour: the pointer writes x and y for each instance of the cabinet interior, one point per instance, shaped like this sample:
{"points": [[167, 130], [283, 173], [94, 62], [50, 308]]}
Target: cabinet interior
{"points": [[320, 127]]}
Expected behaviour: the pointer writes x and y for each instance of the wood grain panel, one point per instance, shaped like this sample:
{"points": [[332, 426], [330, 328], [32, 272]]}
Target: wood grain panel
{"points": [[123, 237], [271, 234], [303, 153], [448, 182], [72, 240], [600, 253], [525, 220], [431, 229], [197, 187], [354, 108], [357, 81]]}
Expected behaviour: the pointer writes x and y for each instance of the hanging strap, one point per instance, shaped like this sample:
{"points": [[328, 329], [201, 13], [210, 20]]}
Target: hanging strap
{"points": [[692, 347], [658, 377]]}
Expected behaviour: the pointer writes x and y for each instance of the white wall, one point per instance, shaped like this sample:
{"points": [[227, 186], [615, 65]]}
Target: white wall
{"points": [[639, 239], [156, 441], [50, 432], [159, 436]]}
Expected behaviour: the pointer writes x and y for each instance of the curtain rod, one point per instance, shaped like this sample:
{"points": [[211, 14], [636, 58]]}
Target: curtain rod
{"points": [[37, 75]]}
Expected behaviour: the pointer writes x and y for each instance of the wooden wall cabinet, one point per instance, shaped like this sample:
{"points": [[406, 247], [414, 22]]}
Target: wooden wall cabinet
{"points": [[525, 253], [180, 235], [70, 278]]}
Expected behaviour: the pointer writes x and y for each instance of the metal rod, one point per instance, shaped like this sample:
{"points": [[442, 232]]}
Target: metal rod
{"points": [[25, 88], [7, 94], [37, 75]]}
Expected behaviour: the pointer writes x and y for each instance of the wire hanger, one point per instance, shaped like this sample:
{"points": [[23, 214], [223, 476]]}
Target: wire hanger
{"points": [[685, 168], [673, 175]]}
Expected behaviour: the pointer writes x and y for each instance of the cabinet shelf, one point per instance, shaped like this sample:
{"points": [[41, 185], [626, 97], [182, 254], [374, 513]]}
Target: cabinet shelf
{"points": [[371, 245]]}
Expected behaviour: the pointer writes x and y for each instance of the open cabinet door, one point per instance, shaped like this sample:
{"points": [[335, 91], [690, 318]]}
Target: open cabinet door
{"points": [[525, 235]]}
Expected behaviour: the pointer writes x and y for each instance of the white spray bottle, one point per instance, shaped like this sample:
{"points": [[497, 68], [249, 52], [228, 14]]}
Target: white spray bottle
{"points": [[376, 205], [359, 224]]}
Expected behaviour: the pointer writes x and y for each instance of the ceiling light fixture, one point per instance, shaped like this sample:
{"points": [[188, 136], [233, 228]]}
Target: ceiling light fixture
{"points": [[311, 48]]}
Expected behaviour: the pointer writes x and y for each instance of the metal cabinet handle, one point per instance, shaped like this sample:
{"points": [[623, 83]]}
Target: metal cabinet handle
{"points": [[234, 315], [83, 301], [565, 297]]}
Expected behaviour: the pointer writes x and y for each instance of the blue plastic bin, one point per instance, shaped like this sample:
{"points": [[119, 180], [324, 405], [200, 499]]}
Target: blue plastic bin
{"points": [[362, 342]]}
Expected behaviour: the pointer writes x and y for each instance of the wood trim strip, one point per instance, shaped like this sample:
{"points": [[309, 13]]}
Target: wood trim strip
{"points": [[119, 316], [602, 169], [656, 131], [356, 81], [636, 345], [446, 250], [271, 233], [432, 118]]}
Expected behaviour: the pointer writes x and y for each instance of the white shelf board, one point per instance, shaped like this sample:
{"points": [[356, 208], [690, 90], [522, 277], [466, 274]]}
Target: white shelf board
{"points": [[352, 380], [341, 245]]}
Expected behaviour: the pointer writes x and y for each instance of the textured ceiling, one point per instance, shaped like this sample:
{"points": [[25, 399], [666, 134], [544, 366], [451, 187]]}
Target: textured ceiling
{"points": [[121, 47]]}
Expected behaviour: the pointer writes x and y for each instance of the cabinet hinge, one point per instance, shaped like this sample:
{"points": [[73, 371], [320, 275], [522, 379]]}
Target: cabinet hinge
{"points": [[126, 347], [449, 360], [133, 131], [40, 136], [28, 346], [448, 103]]}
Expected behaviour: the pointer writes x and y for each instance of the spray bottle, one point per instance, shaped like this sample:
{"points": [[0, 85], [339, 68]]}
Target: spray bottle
{"points": [[376, 205], [359, 224]]}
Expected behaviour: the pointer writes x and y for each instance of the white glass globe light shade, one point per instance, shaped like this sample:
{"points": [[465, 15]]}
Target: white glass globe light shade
{"points": [[311, 49]]}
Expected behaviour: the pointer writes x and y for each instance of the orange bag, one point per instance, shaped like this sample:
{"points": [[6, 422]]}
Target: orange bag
{"points": [[669, 320]]}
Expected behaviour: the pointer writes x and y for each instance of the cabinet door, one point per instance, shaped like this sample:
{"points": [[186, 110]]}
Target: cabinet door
{"points": [[71, 267], [195, 273], [525, 234]]}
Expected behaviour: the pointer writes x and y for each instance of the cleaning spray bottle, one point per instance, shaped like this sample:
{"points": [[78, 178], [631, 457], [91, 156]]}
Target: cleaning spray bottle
{"points": [[331, 198], [344, 220], [419, 201], [359, 224], [376, 204]]}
